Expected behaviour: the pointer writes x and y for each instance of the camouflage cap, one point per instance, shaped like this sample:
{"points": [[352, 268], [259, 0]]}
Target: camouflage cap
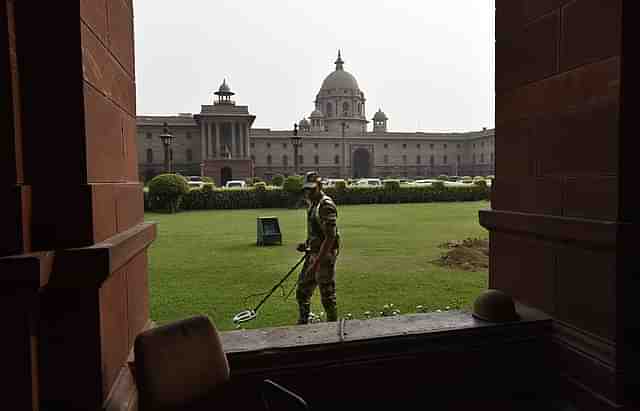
{"points": [[311, 179]]}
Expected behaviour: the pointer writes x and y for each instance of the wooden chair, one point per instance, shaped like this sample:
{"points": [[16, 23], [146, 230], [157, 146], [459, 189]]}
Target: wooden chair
{"points": [[182, 366]]}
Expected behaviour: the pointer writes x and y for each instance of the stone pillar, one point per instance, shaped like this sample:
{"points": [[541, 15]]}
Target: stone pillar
{"points": [[560, 212], [92, 300], [214, 140], [233, 139], [204, 128], [218, 138], [247, 142]]}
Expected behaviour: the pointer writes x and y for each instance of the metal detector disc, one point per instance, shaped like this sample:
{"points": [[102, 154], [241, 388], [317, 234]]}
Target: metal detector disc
{"points": [[244, 316]]}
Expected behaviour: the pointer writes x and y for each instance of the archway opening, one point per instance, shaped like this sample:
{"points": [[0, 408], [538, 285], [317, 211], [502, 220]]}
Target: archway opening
{"points": [[361, 163]]}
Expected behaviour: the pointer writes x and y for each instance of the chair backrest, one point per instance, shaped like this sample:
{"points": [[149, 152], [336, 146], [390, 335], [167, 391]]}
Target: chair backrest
{"points": [[178, 363]]}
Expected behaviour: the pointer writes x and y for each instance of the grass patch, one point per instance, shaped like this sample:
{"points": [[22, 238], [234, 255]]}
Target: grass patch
{"points": [[206, 262]]}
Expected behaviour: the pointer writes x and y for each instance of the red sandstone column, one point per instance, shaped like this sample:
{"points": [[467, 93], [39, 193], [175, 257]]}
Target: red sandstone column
{"points": [[556, 210], [77, 92]]}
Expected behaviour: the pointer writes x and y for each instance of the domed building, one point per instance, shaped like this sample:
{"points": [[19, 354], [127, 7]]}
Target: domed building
{"points": [[219, 141]]}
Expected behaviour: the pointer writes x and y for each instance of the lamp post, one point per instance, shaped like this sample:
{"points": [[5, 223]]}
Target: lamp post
{"points": [[296, 140], [167, 138]]}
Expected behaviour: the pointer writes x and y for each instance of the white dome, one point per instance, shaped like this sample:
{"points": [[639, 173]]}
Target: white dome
{"points": [[340, 79]]}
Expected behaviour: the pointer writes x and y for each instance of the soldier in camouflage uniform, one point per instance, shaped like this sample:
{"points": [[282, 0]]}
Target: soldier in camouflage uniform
{"points": [[323, 243]]}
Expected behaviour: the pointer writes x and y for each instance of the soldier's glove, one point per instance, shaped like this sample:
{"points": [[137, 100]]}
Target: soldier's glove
{"points": [[302, 247]]}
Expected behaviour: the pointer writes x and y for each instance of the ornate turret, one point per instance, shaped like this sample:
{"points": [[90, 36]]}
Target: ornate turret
{"points": [[224, 94], [380, 122]]}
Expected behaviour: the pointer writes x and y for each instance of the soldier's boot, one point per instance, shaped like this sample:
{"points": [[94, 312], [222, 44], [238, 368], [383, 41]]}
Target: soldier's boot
{"points": [[304, 309], [331, 310]]}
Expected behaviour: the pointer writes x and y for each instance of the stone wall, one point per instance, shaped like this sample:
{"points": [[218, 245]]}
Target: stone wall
{"points": [[556, 199]]}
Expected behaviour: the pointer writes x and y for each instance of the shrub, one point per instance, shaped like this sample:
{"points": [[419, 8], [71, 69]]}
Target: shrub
{"points": [[391, 184], [341, 185], [278, 180], [207, 187], [208, 180], [438, 185], [252, 181], [293, 184], [166, 192], [260, 185], [481, 183]]}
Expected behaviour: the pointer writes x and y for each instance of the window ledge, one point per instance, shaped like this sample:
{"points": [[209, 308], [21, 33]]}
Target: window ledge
{"points": [[260, 350]]}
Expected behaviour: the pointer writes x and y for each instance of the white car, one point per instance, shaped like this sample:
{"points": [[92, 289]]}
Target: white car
{"points": [[195, 184], [369, 182], [426, 182], [331, 182], [235, 184]]}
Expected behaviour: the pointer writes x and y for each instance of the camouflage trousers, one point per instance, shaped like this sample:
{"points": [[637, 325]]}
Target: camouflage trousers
{"points": [[325, 280]]}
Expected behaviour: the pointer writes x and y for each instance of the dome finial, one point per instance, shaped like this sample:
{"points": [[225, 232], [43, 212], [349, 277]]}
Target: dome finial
{"points": [[339, 62]]}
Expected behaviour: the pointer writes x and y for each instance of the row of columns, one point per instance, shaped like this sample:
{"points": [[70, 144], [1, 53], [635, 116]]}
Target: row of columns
{"points": [[211, 133]]}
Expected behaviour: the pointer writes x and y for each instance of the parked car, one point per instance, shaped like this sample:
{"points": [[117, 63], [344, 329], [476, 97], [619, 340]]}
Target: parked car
{"points": [[369, 182], [235, 184], [331, 182], [426, 182], [193, 185]]}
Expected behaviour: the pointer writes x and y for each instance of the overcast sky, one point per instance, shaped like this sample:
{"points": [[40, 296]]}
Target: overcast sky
{"points": [[428, 64]]}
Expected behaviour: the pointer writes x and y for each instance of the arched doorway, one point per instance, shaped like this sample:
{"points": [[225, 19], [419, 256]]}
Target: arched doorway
{"points": [[225, 175], [361, 163]]}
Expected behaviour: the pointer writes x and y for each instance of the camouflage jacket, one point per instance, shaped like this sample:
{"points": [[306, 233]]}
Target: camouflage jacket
{"points": [[321, 217]]}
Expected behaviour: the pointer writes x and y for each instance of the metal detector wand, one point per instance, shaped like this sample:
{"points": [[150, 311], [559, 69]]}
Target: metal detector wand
{"points": [[249, 315]]}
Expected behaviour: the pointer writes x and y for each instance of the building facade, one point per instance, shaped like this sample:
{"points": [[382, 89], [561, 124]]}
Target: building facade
{"points": [[219, 142]]}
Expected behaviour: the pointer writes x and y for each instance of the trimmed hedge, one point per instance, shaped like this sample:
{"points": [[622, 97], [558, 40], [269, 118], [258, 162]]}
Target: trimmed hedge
{"points": [[274, 197], [166, 192]]}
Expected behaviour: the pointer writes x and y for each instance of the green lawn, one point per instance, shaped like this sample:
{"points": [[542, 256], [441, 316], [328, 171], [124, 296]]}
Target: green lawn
{"points": [[206, 262]]}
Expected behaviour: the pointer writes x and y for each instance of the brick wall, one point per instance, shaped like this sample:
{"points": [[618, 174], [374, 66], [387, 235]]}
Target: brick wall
{"points": [[85, 203]]}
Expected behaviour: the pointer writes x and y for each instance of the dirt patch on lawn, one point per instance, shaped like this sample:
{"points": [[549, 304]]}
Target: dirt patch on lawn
{"points": [[470, 254]]}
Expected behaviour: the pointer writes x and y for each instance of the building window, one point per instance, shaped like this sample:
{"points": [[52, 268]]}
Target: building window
{"points": [[431, 160], [431, 146], [474, 158], [189, 155], [336, 145], [149, 156], [253, 158], [285, 160], [170, 154], [300, 159], [284, 145], [252, 145], [336, 160], [404, 146], [457, 146], [386, 146], [492, 158], [329, 110], [149, 136], [458, 159], [418, 160], [482, 144], [417, 145], [188, 135], [315, 145], [444, 160], [444, 145], [474, 145], [481, 158], [316, 159], [404, 158], [268, 145], [269, 159], [345, 107], [386, 159]]}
